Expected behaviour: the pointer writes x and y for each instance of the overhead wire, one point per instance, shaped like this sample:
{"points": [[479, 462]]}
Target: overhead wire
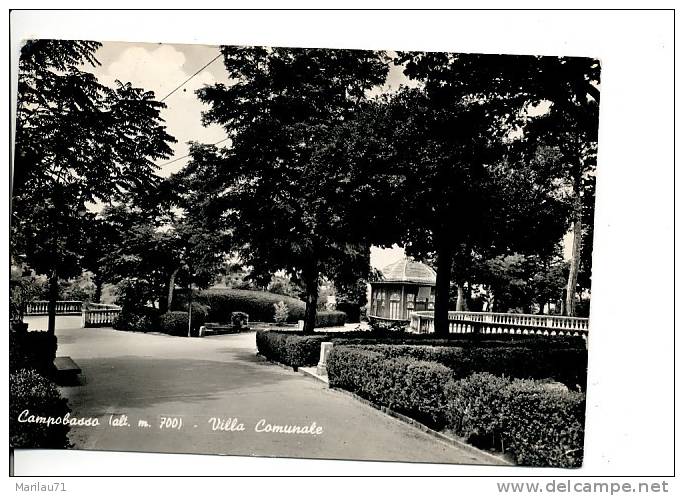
{"points": [[195, 74], [179, 87]]}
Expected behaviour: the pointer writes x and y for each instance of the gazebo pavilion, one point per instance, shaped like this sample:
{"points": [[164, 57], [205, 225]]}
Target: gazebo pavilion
{"points": [[405, 286]]}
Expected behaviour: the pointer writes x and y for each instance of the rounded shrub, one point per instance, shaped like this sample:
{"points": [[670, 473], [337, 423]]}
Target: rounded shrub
{"points": [[30, 391], [330, 318], [258, 304], [141, 319], [176, 323]]}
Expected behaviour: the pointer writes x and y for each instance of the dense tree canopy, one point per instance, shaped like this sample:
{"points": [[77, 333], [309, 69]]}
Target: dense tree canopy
{"points": [[466, 183], [77, 141], [289, 208], [479, 168], [571, 87]]}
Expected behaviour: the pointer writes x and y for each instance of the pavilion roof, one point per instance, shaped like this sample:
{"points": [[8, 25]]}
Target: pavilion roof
{"points": [[407, 270]]}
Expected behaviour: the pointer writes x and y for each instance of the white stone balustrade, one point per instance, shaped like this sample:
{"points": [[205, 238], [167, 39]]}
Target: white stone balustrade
{"points": [[92, 314], [40, 307], [502, 323]]}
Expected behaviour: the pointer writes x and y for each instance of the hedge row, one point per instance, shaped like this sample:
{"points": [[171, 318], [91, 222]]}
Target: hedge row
{"points": [[539, 358], [537, 424], [290, 348], [257, 304], [465, 340], [143, 319], [330, 318], [565, 365], [412, 387]]}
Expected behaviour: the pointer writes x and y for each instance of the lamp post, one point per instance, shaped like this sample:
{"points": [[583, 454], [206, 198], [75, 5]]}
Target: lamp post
{"points": [[187, 268]]}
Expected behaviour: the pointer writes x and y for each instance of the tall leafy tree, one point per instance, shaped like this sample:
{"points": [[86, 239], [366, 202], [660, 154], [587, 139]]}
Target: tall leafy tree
{"points": [[288, 207], [77, 141], [466, 188], [519, 282], [159, 251], [203, 238], [571, 86]]}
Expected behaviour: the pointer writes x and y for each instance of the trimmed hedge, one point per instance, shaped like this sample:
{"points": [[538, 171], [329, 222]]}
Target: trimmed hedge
{"points": [[290, 348], [330, 318], [535, 421], [539, 425], [33, 350], [176, 323], [461, 340], [258, 304], [412, 387], [566, 365], [31, 391], [538, 357]]}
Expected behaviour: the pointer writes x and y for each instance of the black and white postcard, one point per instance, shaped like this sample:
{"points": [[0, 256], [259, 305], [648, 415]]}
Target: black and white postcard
{"points": [[302, 252]]}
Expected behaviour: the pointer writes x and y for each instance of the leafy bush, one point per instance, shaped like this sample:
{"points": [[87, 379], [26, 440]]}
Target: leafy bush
{"points": [[140, 319], [537, 424], [34, 350], [176, 322], [239, 320], [412, 387], [280, 312], [132, 293], [470, 402], [271, 344], [258, 304], [566, 365], [330, 318], [290, 348], [22, 291], [31, 391]]}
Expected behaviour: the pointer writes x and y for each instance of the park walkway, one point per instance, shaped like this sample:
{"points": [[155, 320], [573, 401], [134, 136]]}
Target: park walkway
{"points": [[146, 376]]}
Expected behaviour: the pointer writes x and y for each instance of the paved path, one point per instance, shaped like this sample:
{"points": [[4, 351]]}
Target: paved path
{"points": [[145, 376]]}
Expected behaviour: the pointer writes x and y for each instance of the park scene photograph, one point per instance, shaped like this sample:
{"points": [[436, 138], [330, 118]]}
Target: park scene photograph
{"points": [[319, 253]]}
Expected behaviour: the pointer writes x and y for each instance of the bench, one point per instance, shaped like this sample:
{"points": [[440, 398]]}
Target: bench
{"points": [[66, 369], [218, 328]]}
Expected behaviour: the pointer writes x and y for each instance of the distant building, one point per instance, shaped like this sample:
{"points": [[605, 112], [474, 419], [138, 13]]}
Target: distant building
{"points": [[405, 286]]}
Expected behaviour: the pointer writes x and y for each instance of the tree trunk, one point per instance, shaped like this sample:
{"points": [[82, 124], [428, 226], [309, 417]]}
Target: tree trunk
{"points": [[570, 290], [98, 288], [442, 287], [460, 299], [311, 281], [52, 302], [172, 285]]}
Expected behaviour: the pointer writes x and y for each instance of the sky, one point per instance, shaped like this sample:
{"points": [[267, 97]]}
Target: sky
{"points": [[162, 67]]}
